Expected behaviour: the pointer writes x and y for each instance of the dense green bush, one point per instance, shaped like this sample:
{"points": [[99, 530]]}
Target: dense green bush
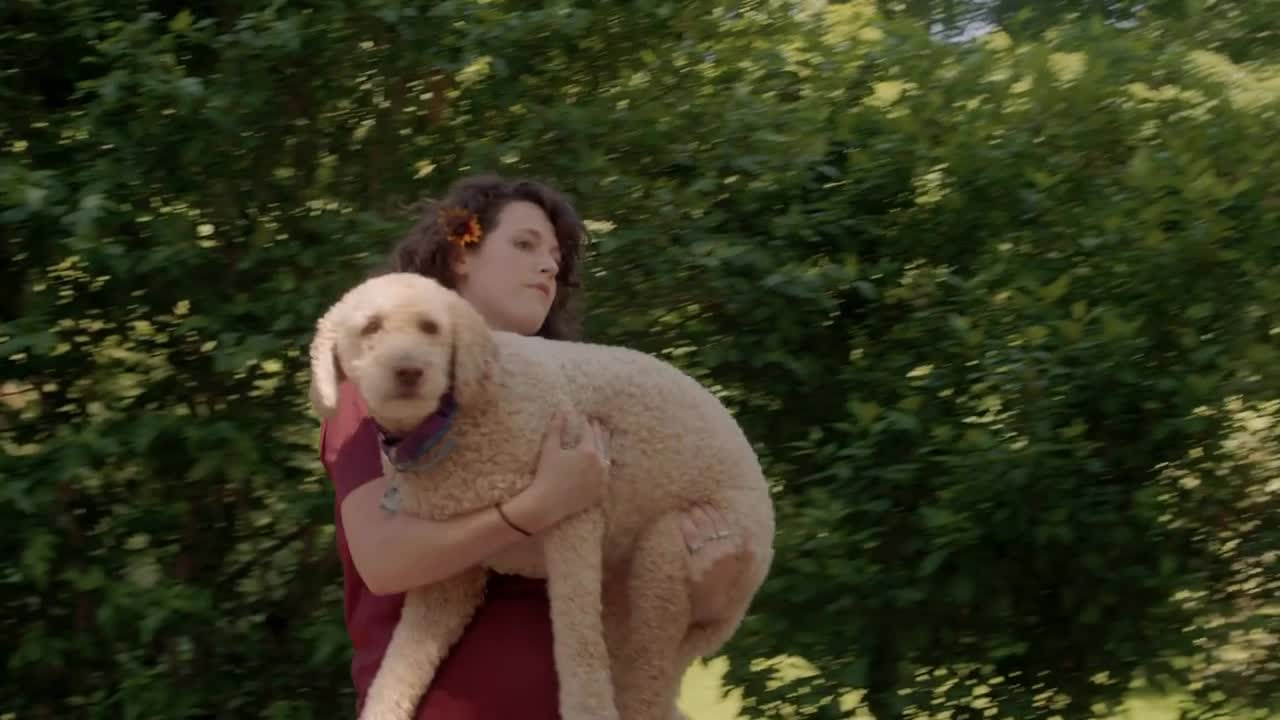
{"points": [[185, 189], [1011, 324], [1001, 316]]}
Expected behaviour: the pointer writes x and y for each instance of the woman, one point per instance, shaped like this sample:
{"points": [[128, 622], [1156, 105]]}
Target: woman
{"points": [[512, 249]]}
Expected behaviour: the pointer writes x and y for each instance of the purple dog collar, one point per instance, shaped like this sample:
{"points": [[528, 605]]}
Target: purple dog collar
{"points": [[414, 449]]}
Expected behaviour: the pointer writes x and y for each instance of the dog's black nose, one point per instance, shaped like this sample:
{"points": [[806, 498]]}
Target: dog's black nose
{"points": [[408, 375]]}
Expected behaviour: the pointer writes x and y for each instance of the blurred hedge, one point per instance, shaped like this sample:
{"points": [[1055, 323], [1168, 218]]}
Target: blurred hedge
{"points": [[1002, 317]]}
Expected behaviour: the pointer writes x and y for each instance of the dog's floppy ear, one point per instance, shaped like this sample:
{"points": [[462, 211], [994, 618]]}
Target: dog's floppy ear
{"points": [[474, 354], [326, 369]]}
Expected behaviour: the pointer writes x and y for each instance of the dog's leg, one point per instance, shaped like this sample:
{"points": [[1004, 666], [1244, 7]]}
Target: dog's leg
{"points": [[651, 662], [575, 576], [431, 621]]}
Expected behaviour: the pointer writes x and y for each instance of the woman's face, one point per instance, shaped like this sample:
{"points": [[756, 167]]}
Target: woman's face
{"points": [[511, 277]]}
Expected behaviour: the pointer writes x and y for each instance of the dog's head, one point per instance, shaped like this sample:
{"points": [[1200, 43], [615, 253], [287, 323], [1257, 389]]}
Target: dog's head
{"points": [[404, 340]]}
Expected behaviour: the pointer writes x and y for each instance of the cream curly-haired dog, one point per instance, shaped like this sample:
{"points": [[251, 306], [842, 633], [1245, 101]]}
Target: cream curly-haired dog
{"points": [[617, 573]]}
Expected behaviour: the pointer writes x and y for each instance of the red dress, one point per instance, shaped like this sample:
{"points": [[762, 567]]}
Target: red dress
{"points": [[502, 667]]}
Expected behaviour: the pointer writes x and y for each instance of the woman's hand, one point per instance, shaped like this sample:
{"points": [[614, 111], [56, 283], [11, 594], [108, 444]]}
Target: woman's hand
{"points": [[717, 560], [572, 473]]}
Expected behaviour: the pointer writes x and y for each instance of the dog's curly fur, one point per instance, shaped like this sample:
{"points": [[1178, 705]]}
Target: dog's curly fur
{"points": [[617, 573]]}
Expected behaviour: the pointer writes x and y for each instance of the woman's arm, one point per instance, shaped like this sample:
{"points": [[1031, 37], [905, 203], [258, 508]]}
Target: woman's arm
{"points": [[396, 552], [718, 558]]}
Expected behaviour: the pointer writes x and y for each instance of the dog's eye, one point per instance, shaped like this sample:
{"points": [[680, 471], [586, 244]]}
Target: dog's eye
{"points": [[373, 326], [428, 326]]}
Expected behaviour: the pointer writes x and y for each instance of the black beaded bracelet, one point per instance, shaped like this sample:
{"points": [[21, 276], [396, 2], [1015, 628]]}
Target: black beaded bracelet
{"points": [[514, 526]]}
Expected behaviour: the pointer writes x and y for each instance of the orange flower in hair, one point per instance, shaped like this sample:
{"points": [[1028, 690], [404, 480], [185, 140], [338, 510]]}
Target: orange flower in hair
{"points": [[461, 226]]}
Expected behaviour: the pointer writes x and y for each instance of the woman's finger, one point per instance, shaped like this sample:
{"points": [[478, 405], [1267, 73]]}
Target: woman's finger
{"points": [[692, 535], [602, 439], [709, 523]]}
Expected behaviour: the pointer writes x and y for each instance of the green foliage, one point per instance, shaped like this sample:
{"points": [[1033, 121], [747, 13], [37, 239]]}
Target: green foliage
{"points": [[1026, 298], [185, 189], [1001, 316]]}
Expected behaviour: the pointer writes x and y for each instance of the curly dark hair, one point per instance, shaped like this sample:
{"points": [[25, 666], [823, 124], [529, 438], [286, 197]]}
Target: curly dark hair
{"points": [[426, 249]]}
